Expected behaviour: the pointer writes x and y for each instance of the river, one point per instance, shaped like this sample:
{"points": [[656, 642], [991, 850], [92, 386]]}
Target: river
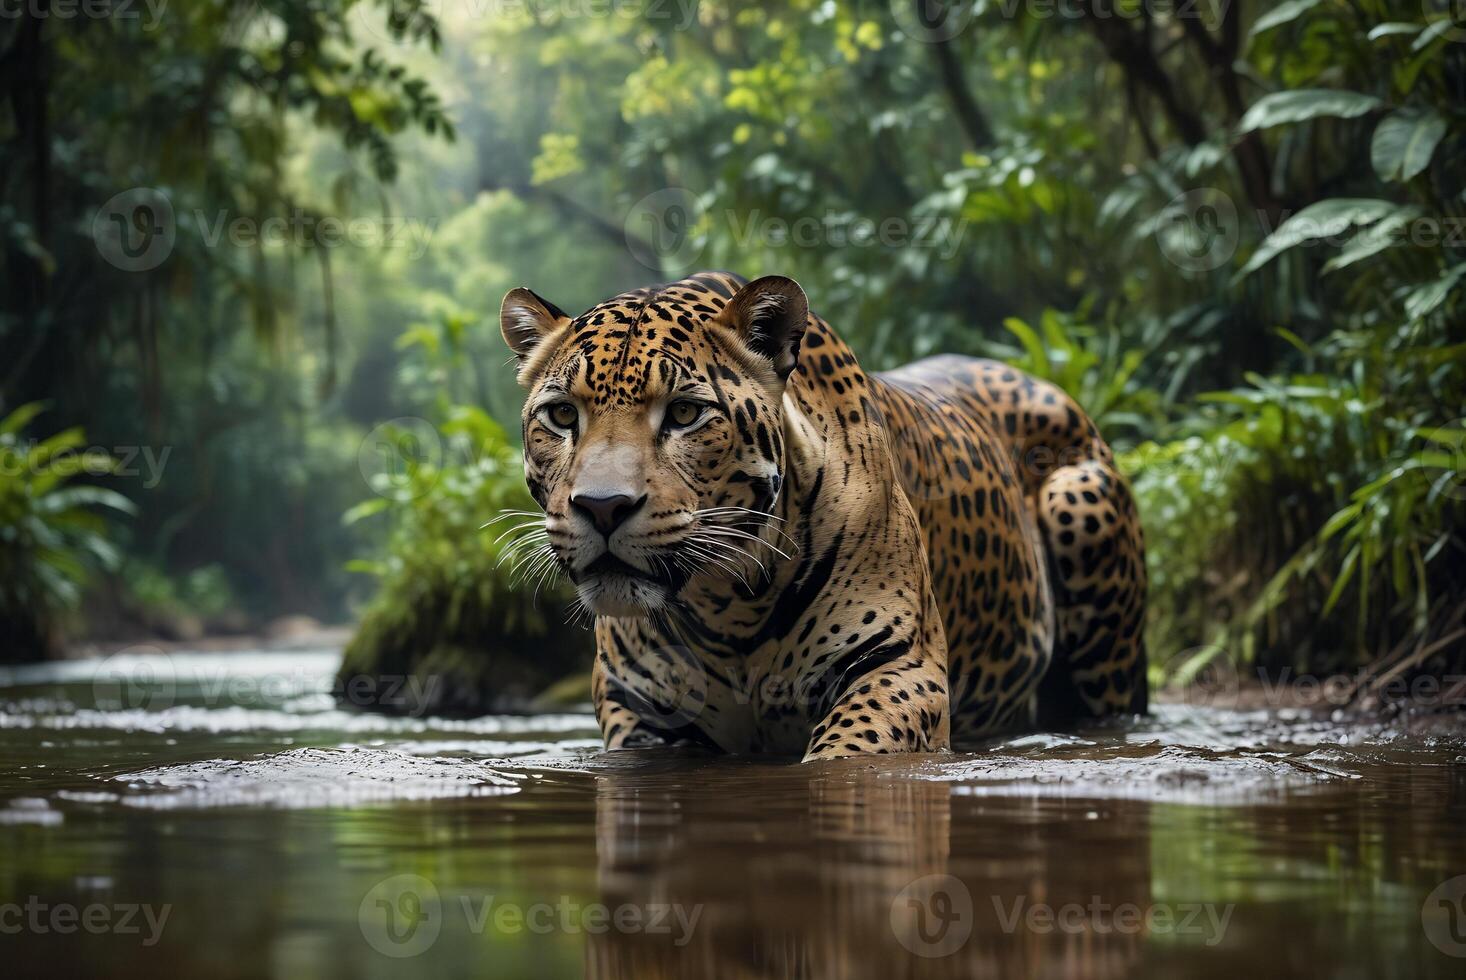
{"points": [[217, 815]]}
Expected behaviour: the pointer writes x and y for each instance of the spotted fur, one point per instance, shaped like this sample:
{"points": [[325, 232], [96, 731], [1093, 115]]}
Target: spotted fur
{"points": [[823, 561]]}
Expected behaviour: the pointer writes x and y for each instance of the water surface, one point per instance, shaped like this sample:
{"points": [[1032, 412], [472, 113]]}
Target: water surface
{"points": [[218, 815]]}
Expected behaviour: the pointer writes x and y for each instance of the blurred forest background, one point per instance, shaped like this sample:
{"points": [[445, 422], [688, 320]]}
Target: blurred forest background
{"points": [[252, 253]]}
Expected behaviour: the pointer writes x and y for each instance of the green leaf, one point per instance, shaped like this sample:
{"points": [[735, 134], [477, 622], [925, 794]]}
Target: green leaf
{"points": [[1405, 141], [63, 500], [1428, 298], [1282, 14], [1029, 339], [1392, 29], [17, 420], [1431, 33], [364, 510], [1299, 105], [1346, 572], [1326, 219], [1375, 239]]}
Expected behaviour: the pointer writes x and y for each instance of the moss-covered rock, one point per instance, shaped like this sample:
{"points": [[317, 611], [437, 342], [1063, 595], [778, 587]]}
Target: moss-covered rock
{"points": [[450, 630]]}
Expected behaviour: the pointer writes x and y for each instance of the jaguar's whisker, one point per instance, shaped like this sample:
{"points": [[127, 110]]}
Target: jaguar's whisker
{"points": [[708, 542], [723, 531]]}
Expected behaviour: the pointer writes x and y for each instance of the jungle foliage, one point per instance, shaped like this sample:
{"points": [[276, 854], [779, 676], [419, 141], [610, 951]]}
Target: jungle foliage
{"points": [[1235, 230]]}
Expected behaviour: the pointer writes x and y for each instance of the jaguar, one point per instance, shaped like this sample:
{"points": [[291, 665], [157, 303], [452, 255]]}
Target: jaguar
{"points": [[783, 553]]}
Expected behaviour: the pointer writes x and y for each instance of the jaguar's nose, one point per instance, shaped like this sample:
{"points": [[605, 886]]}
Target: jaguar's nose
{"points": [[607, 512]]}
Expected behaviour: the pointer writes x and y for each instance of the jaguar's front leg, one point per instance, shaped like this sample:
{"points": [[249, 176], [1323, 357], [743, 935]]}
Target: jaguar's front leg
{"points": [[621, 727], [898, 707]]}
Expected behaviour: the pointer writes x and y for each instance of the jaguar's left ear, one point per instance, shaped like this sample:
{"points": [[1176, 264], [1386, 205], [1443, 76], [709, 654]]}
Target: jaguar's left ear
{"points": [[526, 318], [769, 314]]}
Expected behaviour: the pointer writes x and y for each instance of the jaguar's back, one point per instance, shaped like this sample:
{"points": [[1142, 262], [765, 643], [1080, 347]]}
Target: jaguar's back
{"points": [[1035, 547]]}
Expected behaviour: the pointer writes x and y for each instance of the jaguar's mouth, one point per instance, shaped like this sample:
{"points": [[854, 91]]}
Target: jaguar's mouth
{"points": [[610, 564], [612, 586]]}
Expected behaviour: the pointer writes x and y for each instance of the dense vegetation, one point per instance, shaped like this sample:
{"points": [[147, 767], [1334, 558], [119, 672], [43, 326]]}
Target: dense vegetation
{"points": [[1236, 231]]}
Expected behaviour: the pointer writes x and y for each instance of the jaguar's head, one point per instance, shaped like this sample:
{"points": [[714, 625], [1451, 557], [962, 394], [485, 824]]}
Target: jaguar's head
{"points": [[653, 431]]}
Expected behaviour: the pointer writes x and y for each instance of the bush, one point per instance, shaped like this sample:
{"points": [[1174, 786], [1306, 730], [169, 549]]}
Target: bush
{"points": [[447, 615], [52, 536]]}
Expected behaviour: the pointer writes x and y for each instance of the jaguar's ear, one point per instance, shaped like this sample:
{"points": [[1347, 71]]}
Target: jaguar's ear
{"points": [[526, 319], [770, 314]]}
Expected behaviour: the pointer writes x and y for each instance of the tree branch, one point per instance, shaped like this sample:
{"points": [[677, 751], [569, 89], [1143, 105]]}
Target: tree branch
{"points": [[969, 114]]}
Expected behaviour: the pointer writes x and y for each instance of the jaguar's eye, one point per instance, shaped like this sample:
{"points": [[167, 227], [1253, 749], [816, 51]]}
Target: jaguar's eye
{"points": [[563, 415], [682, 413]]}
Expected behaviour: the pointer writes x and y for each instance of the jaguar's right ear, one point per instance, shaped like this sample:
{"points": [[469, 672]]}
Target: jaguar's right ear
{"points": [[526, 319]]}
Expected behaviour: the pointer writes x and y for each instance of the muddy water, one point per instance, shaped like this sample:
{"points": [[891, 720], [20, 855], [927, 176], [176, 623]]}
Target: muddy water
{"points": [[216, 815]]}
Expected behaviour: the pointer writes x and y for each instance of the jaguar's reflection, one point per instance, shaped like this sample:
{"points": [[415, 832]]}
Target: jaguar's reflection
{"points": [[857, 871]]}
